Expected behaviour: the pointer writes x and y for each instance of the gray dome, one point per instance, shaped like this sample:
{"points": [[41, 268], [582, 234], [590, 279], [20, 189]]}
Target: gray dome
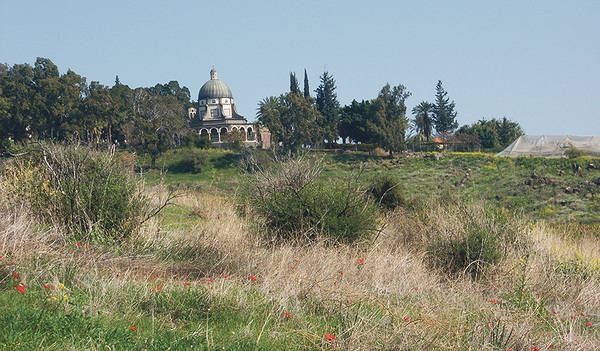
{"points": [[214, 88]]}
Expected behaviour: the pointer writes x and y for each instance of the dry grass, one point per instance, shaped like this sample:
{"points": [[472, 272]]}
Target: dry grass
{"points": [[377, 296]]}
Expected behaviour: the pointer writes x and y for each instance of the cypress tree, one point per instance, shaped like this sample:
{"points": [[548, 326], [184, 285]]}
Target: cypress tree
{"points": [[294, 87], [306, 87]]}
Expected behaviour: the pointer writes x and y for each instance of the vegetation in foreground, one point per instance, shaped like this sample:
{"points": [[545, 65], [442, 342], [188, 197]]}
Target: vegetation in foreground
{"points": [[202, 275]]}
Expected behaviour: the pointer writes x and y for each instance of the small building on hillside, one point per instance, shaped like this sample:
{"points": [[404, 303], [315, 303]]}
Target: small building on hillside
{"points": [[216, 116]]}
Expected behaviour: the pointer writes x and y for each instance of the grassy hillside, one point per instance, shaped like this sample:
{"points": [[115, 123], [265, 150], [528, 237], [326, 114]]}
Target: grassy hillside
{"points": [[202, 276]]}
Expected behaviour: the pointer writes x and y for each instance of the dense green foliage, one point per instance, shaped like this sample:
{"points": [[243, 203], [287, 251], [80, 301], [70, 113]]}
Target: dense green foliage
{"points": [[38, 102], [328, 106], [444, 116], [493, 135], [297, 205]]}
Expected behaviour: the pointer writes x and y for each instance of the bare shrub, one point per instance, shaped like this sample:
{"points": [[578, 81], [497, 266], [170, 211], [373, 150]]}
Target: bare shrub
{"points": [[91, 195]]}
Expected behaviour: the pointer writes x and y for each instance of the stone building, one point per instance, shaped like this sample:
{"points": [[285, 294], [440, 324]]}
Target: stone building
{"points": [[216, 115]]}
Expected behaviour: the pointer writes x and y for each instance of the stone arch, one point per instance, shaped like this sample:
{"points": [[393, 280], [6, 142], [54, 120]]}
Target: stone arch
{"points": [[214, 135], [204, 132], [223, 133], [250, 135]]}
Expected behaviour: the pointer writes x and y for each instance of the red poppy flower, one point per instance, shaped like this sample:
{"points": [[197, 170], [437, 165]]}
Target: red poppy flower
{"points": [[159, 288], [406, 319], [87, 245], [360, 261], [251, 278], [581, 313], [341, 272], [292, 267], [133, 328], [294, 259], [224, 276], [47, 287], [330, 337], [287, 315], [21, 288], [186, 284], [78, 244], [1, 256], [589, 324], [209, 280], [553, 311], [15, 275], [415, 288]]}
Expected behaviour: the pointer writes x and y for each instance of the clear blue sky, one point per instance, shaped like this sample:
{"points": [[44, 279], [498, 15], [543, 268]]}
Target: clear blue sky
{"points": [[535, 62]]}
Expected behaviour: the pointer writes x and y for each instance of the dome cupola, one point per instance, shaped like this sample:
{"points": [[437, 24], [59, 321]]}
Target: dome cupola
{"points": [[214, 88]]}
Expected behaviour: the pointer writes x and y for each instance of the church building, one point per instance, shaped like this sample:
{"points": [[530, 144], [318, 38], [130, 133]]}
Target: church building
{"points": [[216, 115]]}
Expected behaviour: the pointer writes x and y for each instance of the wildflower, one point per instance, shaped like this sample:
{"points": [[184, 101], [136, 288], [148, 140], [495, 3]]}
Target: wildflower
{"points": [[360, 261], [152, 289], [330, 337], [553, 311], [581, 313], [186, 284], [406, 319], [251, 278], [133, 328], [159, 287], [15, 275], [415, 288], [78, 244], [209, 280], [292, 267], [342, 273], [61, 286], [287, 315], [1, 256], [588, 324], [87, 245], [224, 276], [65, 297], [47, 287], [21, 288], [294, 260]]}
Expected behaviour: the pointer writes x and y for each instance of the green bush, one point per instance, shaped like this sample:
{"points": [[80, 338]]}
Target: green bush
{"points": [[191, 160], [482, 239], [91, 195], [297, 206], [387, 191]]}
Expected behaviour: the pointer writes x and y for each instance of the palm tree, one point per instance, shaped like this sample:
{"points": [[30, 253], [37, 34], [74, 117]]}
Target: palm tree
{"points": [[423, 123]]}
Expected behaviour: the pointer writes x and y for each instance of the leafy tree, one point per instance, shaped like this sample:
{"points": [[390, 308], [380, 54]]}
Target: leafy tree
{"points": [[444, 116], [306, 87], [294, 87], [292, 120], [329, 107], [492, 134], [158, 122], [353, 119], [387, 123], [423, 122]]}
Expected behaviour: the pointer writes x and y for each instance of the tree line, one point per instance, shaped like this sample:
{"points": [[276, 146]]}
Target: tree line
{"points": [[296, 120], [37, 102]]}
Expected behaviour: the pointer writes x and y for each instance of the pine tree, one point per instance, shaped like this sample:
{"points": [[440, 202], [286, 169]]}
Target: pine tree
{"points": [[444, 116], [329, 107]]}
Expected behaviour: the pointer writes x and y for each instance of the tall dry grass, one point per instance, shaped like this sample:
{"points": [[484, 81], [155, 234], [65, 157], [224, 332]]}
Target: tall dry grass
{"points": [[383, 295]]}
